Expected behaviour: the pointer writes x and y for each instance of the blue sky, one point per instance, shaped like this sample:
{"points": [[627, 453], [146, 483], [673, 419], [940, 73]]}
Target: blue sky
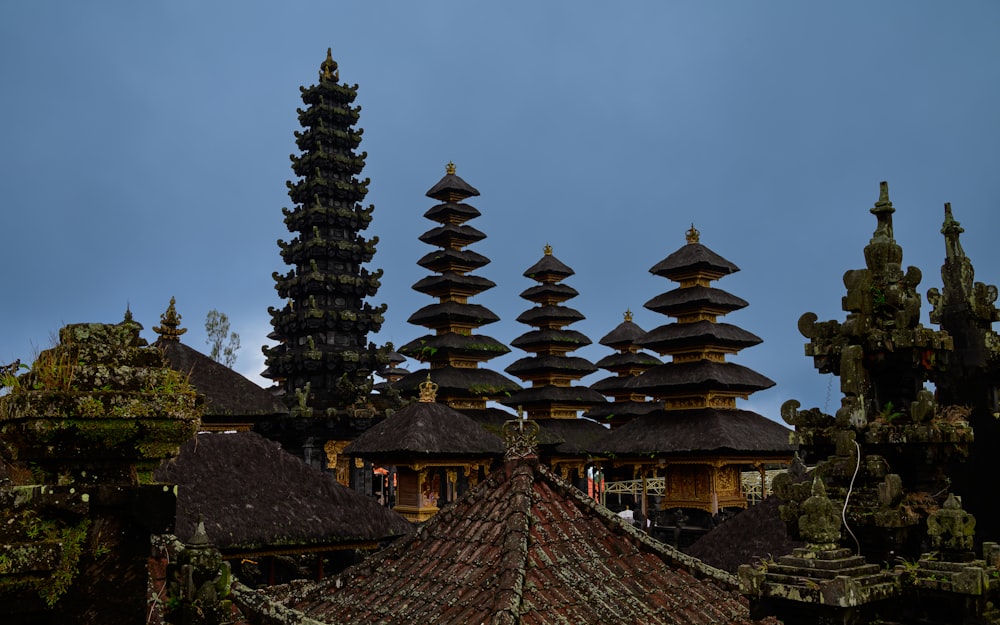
{"points": [[145, 149]]}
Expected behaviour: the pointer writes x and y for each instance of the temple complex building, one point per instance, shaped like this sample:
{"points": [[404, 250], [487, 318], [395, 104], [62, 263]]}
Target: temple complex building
{"points": [[700, 442], [436, 452]]}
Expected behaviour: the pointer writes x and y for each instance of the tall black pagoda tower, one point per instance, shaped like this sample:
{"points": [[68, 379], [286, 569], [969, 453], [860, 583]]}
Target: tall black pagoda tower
{"points": [[550, 369], [323, 361], [454, 351]]}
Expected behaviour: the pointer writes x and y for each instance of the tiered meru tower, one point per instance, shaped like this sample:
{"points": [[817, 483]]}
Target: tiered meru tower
{"points": [[453, 351], [700, 442], [698, 375], [550, 370], [323, 360], [626, 363]]}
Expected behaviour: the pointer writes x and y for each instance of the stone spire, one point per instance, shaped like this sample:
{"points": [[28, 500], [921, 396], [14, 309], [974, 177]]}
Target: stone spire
{"points": [[322, 329], [170, 322]]}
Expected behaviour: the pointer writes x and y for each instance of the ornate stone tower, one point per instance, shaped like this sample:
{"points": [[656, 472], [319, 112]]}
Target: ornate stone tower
{"points": [[894, 460], [453, 351], [551, 370], [323, 356]]}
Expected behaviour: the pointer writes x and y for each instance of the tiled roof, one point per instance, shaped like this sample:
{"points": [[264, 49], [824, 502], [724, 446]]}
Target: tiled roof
{"points": [[524, 547]]}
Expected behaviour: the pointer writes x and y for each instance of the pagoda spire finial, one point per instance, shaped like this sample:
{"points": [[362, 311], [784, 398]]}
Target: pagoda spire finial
{"points": [[951, 230], [692, 235], [628, 314], [450, 168], [428, 390], [883, 211], [547, 249], [328, 70], [170, 329]]}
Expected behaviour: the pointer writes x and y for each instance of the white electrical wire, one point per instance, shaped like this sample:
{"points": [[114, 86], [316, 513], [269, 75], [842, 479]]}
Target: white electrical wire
{"points": [[843, 513]]}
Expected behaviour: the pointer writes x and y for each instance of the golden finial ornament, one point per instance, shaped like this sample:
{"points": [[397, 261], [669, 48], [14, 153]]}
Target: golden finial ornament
{"points": [[547, 249], [170, 329], [692, 235], [328, 70], [450, 168], [428, 390], [628, 315]]}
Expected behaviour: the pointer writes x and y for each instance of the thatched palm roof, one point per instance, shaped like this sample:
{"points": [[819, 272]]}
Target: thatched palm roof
{"points": [[227, 393], [697, 431], [423, 430], [254, 496]]}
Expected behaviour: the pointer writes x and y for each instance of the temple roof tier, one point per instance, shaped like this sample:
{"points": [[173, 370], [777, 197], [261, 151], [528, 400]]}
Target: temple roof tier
{"points": [[576, 396], [302, 219], [452, 236], [440, 347], [695, 299], [706, 430], [550, 316], [698, 376], [549, 269], [625, 361], [460, 261], [461, 382], [682, 336], [693, 259], [550, 339], [532, 367], [450, 284], [447, 314], [425, 429], [549, 293], [452, 213], [451, 188]]}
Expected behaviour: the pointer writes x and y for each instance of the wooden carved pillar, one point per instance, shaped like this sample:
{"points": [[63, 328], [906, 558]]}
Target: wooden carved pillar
{"points": [[337, 462]]}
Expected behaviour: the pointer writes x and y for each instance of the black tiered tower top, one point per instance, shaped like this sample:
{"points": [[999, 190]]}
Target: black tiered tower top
{"points": [[453, 351], [698, 377], [550, 371], [322, 330], [627, 362]]}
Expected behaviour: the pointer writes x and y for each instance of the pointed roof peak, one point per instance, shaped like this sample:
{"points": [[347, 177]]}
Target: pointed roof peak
{"points": [[951, 230], [883, 211], [328, 69], [692, 235], [170, 329], [451, 188]]}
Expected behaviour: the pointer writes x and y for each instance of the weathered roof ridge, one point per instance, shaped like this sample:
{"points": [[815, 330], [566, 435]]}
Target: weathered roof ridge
{"points": [[669, 554], [514, 558]]}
